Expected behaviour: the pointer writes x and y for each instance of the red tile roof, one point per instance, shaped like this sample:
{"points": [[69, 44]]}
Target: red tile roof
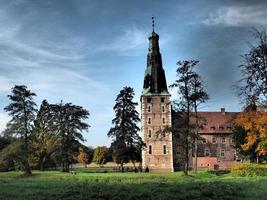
{"points": [[216, 122]]}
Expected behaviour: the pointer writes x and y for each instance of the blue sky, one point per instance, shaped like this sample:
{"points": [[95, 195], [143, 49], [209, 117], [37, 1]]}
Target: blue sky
{"points": [[85, 52]]}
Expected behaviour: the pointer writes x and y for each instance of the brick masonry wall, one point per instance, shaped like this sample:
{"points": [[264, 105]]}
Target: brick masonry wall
{"points": [[154, 119]]}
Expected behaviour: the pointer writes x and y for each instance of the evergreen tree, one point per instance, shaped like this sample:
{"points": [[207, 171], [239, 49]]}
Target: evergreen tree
{"points": [[125, 131], [69, 121], [22, 109], [45, 140]]}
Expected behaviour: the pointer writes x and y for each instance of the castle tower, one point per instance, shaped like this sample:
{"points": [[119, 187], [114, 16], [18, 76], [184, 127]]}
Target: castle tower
{"points": [[156, 112]]}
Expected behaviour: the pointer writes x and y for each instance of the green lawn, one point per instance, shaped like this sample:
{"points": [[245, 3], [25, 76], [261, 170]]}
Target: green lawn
{"points": [[84, 185]]}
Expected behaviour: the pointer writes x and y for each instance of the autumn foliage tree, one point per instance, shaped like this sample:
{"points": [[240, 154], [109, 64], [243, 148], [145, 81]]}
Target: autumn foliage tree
{"points": [[251, 124], [254, 123], [85, 155], [100, 155]]}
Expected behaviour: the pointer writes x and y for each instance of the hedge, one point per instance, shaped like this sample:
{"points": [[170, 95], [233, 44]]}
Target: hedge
{"points": [[249, 169]]}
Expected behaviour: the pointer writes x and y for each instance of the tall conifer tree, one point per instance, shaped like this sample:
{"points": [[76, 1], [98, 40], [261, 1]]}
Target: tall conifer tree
{"points": [[125, 131], [22, 109]]}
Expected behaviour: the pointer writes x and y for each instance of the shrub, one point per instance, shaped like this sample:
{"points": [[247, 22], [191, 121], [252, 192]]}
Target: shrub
{"points": [[249, 169]]}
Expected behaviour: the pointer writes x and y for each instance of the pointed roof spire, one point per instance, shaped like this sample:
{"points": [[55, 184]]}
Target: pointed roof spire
{"points": [[153, 22], [155, 80]]}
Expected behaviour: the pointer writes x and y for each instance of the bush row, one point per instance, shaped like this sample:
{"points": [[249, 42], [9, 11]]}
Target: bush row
{"points": [[249, 169]]}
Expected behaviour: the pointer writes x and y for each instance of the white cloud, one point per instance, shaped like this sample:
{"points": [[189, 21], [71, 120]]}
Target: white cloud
{"points": [[238, 16], [132, 39], [4, 118]]}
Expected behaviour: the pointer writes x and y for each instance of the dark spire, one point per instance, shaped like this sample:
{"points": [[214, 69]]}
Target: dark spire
{"points": [[153, 23], [155, 81]]}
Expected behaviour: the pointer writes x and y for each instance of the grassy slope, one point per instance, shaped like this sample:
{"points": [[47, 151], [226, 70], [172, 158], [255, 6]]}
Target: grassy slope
{"points": [[56, 185]]}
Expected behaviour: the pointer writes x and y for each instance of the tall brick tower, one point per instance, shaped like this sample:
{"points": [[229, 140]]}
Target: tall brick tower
{"points": [[156, 112]]}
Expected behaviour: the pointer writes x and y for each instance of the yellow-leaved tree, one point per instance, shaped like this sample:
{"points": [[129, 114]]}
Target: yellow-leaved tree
{"points": [[255, 125]]}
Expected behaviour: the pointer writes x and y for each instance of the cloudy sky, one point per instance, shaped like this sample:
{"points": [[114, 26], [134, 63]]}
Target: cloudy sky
{"points": [[85, 52]]}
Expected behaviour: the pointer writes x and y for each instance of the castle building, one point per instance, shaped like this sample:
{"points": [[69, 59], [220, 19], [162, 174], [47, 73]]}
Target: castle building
{"points": [[162, 152]]}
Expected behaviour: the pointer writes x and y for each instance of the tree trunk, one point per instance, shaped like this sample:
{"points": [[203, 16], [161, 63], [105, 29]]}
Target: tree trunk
{"points": [[26, 168], [196, 136], [122, 168], [195, 167]]}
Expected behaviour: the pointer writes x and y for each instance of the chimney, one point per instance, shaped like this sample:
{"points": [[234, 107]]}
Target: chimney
{"points": [[223, 111]]}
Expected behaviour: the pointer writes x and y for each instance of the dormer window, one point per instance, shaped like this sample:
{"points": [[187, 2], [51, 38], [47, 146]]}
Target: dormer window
{"points": [[212, 128], [162, 99], [204, 140], [221, 128], [148, 100], [213, 140]]}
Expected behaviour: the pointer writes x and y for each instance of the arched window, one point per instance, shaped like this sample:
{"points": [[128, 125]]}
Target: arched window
{"points": [[164, 149]]}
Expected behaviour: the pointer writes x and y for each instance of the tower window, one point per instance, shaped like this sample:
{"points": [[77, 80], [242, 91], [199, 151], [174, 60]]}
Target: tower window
{"points": [[162, 99], [164, 149], [149, 133], [163, 108], [163, 120], [150, 149], [148, 100], [149, 120], [149, 108]]}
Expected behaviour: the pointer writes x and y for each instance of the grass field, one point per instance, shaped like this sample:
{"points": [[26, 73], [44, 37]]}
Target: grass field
{"points": [[87, 185]]}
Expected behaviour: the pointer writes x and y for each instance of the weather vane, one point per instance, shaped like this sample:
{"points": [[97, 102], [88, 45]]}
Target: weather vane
{"points": [[153, 22]]}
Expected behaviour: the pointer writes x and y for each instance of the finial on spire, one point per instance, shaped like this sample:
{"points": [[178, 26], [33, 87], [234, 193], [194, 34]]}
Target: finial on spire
{"points": [[153, 22]]}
